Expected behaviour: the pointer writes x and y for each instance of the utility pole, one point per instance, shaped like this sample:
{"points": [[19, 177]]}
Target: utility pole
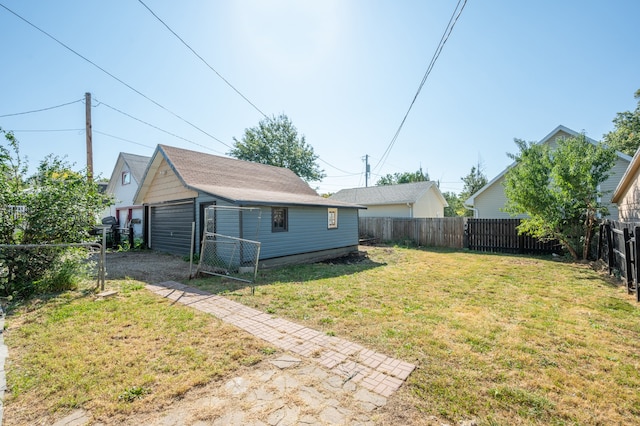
{"points": [[87, 107], [367, 170]]}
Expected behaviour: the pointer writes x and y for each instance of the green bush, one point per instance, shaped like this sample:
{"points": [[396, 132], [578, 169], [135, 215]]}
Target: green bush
{"points": [[61, 206]]}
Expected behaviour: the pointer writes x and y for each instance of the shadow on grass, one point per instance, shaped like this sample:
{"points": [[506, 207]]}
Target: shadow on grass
{"points": [[333, 268]]}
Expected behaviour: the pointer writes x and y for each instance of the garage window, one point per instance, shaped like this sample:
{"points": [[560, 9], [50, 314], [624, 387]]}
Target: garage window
{"points": [[279, 219]]}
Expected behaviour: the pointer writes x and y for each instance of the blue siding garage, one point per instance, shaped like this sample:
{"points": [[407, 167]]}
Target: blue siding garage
{"points": [[296, 224]]}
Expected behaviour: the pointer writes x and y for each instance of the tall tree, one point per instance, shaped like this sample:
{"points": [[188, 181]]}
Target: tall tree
{"points": [[625, 137], [406, 177], [473, 182], [275, 141], [559, 190]]}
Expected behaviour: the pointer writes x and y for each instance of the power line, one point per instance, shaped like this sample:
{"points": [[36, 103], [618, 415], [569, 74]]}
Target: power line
{"points": [[154, 126], [45, 130], [443, 40], [338, 169], [123, 139], [113, 76], [41, 109], [201, 58]]}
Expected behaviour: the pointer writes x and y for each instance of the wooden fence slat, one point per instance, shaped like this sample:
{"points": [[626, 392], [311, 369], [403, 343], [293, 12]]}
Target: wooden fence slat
{"points": [[490, 235]]}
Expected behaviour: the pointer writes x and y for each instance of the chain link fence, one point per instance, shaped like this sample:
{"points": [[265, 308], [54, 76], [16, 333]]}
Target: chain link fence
{"points": [[41, 268], [225, 254]]}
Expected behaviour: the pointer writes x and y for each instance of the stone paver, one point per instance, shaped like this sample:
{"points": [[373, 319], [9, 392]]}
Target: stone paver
{"points": [[322, 380], [371, 370]]}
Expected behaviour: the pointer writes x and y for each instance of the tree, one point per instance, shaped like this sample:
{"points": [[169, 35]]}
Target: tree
{"points": [[406, 177], [559, 190], [275, 141], [473, 182], [60, 206], [626, 135], [455, 204]]}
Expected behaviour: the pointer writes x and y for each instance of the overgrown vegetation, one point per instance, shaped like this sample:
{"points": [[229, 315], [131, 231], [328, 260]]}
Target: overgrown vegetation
{"points": [[56, 205], [500, 339]]}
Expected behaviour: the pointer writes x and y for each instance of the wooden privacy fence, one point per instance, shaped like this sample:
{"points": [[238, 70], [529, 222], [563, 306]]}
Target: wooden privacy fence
{"points": [[489, 235], [501, 236], [618, 247], [433, 232]]}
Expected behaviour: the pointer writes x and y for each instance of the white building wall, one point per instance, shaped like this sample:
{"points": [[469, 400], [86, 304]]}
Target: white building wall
{"points": [[429, 205]]}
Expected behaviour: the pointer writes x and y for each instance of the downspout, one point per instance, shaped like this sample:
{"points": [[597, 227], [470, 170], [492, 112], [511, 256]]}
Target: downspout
{"points": [[410, 210], [475, 210]]}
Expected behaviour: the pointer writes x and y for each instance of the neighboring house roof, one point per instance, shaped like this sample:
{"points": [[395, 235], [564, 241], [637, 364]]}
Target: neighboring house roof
{"points": [[237, 181], [546, 139], [387, 194], [136, 164], [627, 178]]}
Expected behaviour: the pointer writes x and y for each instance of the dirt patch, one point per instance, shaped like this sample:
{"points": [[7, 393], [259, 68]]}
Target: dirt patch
{"points": [[147, 266]]}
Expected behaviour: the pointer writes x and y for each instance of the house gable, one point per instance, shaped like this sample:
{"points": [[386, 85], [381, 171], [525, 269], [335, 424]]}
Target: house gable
{"points": [[124, 191], [490, 199], [417, 199], [166, 186]]}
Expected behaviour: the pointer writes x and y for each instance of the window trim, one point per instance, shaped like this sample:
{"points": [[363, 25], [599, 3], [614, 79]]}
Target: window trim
{"points": [[126, 177], [332, 218], [285, 225]]}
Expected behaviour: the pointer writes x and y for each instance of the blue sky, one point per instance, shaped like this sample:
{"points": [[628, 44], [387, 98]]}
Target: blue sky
{"points": [[344, 71]]}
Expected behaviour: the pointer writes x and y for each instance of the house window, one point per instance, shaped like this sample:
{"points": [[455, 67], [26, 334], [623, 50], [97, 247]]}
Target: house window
{"points": [[126, 178], [279, 219], [333, 218]]}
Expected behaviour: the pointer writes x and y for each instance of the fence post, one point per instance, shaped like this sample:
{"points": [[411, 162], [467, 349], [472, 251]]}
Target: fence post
{"points": [[131, 239], [102, 270], [610, 259], [636, 246], [466, 243], [600, 232], [627, 259]]}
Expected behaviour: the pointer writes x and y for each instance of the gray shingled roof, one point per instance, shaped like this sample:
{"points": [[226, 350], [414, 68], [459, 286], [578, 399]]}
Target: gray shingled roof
{"points": [[240, 181], [385, 194], [137, 164]]}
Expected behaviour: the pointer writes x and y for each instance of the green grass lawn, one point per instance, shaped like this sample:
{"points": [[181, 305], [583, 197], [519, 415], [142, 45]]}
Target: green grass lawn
{"points": [[502, 339], [131, 353]]}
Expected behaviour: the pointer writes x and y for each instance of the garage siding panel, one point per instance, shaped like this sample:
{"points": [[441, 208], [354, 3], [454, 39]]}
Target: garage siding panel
{"points": [[307, 232], [171, 228]]}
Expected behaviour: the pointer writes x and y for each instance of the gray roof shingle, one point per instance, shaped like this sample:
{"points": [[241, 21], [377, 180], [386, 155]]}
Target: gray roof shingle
{"points": [[241, 181], [137, 164], [385, 194]]}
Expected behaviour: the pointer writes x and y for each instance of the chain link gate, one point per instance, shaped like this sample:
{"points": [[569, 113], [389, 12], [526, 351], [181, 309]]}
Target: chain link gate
{"points": [[228, 255]]}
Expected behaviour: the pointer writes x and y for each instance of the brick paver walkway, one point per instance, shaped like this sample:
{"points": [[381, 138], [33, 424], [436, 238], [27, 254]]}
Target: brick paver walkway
{"points": [[371, 370]]}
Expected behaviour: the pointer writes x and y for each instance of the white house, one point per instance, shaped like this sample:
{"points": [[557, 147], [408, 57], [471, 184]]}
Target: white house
{"points": [[489, 201], [123, 185], [627, 194], [412, 200]]}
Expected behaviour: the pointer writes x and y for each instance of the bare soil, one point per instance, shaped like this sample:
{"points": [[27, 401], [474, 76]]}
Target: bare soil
{"points": [[147, 266]]}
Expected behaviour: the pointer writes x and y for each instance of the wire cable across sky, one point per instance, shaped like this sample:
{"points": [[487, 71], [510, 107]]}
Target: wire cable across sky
{"points": [[443, 40], [41, 109], [112, 75], [201, 58]]}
